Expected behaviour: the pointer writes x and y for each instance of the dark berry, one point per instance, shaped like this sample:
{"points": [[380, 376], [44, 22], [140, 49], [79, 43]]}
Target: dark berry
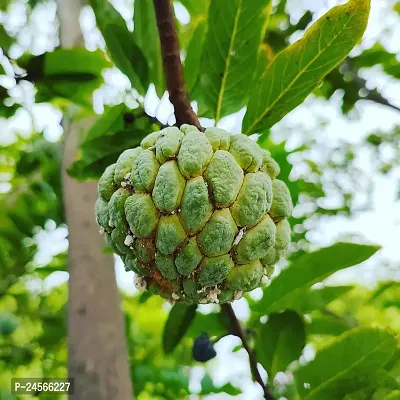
{"points": [[203, 349], [128, 118]]}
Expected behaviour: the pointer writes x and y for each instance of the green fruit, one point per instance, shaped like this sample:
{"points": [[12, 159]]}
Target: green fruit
{"points": [[199, 217], [282, 241], [282, 205], [269, 165], [245, 277]]}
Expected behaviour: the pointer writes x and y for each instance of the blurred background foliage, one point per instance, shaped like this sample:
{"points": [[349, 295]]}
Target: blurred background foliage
{"points": [[327, 182]]}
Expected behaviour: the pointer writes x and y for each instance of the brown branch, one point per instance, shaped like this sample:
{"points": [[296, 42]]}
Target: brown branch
{"points": [[184, 113], [236, 329]]}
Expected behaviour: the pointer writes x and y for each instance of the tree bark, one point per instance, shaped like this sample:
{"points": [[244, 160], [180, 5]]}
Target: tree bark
{"points": [[97, 351]]}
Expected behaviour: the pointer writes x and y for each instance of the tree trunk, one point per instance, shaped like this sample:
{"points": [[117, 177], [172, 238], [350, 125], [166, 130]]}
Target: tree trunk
{"points": [[98, 358]]}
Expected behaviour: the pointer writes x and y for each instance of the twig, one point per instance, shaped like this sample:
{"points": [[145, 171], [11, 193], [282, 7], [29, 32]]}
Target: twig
{"points": [[378, 98], [371, 95], [351, 324], [184, 113], [237, 330]]}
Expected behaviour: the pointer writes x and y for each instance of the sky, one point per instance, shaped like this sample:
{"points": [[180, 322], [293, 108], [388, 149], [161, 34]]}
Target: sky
{"points": [[380, 225]]}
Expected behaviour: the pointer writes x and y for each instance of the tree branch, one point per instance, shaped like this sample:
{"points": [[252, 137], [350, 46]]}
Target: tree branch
{"points": [[236, 329], [184, 113], [371, 95], [378, 98]]}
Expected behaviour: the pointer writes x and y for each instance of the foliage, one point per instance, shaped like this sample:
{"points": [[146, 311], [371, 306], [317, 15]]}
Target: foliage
{"points": [[236, 54]]}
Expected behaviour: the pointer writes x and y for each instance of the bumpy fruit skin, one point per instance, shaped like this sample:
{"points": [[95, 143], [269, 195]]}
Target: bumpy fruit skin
{"points": [[199, 217]]}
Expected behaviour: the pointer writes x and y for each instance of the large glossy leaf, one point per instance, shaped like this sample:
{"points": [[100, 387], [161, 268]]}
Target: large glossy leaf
{"points": [[146, 35], [192, 61], [346, 364], [264, 57], [178, 322], [312, 268], [307, 300], [281, 340], [198, 11], [121, 44], [297, 70], [235, 31]]}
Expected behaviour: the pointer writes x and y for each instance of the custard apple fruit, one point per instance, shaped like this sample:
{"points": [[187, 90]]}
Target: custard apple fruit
{"points": [[199, 217]]}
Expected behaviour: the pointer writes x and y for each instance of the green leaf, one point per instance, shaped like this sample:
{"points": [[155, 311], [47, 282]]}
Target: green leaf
{"points": [[5, 39], [237, 348], [307, 300], [112, 120], [297, 70], [3, 7], [74, 61], [382, 288], [208, 387], [281, 340], [121, 44], [380, 386], [17, 355], [395, 395], [264, 57], [107, 139], [235, 31], [8, 111], [314, 267], [198, 10], [146, 34], [144, 297], [178, 322], [195, 7], [376, 55], [327, 325], [215, 324], [348, 363], [193, 55], [105, 151], [71, 74]]}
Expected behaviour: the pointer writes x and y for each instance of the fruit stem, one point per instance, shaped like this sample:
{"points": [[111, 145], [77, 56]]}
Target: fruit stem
{"points": [[184, 113], [237, 330]]}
